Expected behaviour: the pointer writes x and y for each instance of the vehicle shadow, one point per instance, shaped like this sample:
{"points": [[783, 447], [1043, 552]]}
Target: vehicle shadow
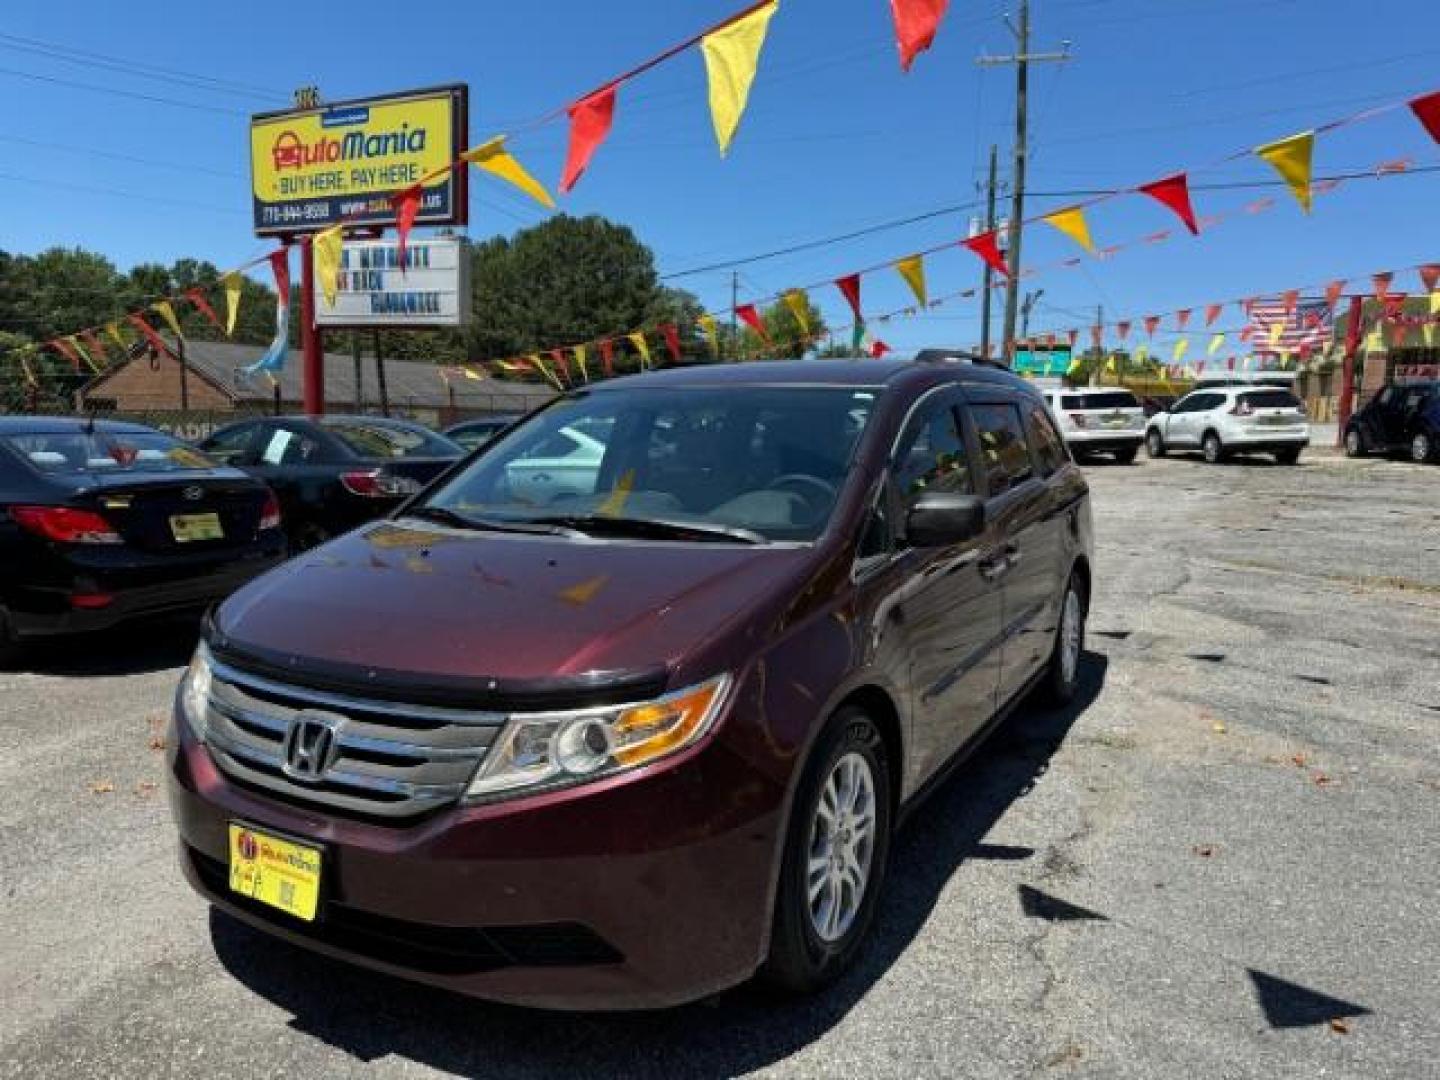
{"points": [[134, 649], [371, 1016]]}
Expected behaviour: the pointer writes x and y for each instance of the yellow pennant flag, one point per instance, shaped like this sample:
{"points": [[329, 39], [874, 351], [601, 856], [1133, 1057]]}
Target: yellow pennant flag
{"points": [[471, 373], [1435, 302], [1276, 330], [168, 314], [638, 340], [731, 56], [1375, 340], [233, 284], [1071, 222], [1291, 159], [579, 352], [1075, 367], [325, 249], [799, 306], [1215, 343], [1110, 364], [113, 329], [84, 354], [540, 366], [1181, 348], [28, 370], [1432, 334], [707, 323], [1142, 353], [912, 269], [496, 160]]}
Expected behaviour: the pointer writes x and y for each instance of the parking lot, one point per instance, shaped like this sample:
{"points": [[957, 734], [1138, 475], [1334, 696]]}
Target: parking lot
{"points": [[1222, 861]]}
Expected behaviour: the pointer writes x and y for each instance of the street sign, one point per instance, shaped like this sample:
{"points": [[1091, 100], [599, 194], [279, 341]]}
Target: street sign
{"points": [[433, 289], [314, 168]]}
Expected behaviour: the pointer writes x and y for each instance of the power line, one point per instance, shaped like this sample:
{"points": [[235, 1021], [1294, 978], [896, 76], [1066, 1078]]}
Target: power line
{"points": [[89, 151], [159, 199], [117, 92]]}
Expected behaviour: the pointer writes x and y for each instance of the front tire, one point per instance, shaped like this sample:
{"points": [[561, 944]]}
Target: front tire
{"points": [[1154, 444], [1355, 444], [837, 850], [1422, 448], [1212, 448]]}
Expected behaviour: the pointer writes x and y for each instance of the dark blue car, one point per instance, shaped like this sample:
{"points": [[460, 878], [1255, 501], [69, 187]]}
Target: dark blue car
{"points": [[1402, 418]]}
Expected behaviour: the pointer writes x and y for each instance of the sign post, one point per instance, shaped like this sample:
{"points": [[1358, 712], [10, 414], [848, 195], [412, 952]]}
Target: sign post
{"points": [[312, 344]]}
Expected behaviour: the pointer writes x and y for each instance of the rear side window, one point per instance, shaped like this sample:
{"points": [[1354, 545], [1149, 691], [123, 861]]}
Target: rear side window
{"points": [[1108, 399], [932, 458], [1004, 453], [1049, 447], [230, 445], [1271, 399]]}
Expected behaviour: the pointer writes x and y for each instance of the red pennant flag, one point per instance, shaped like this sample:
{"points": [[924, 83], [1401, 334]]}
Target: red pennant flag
{"points": [[1332, 292], [671, 333], [849, 287], [915, 24], [1290, 298], [1050, 340], [280, 267], [1382, 284], [1394, 305], [1074, 336], [149, 334], [1398, 332], [1158, 237], [1200, 368], [1430, 276], [1247, 333], [1230, 363], [751, 318], [590, 120], [1123, 329], [196, 296], [1212, 313], [65, 349], [1304, 350], [986, 247], [407, 206], [878, 348], [607, 357], [1182, 317], [97, 347], [1427, 111], [562, 368], [1151, 322], [1174, 192]]}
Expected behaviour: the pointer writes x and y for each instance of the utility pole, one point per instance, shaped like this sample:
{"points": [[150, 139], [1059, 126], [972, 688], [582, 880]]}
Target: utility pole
{"points": [[988, 274], [1022, 60], [734, 325]]}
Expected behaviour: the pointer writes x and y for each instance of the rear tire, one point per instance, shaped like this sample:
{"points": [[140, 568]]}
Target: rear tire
{"points": [[1287, 457], [1355, 444], [1126, 456], [1212, 448], [811, 942], [1062, 675], [1422, 448], [1154, 444]]}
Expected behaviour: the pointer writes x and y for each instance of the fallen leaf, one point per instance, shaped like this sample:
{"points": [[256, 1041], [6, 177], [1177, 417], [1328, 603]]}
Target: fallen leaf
{"points": [[101, 787], [1299, 760], [157, 742], [1321, 779], [1204, 850], [1218, 727], [1339, 1026], [145, 787]]}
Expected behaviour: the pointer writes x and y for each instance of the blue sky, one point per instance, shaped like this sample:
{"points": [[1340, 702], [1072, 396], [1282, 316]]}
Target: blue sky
{"points": [[836, 137]]}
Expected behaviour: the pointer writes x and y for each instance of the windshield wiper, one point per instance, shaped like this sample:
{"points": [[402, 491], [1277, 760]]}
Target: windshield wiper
{"points": [[445, 516], [656, 528]]}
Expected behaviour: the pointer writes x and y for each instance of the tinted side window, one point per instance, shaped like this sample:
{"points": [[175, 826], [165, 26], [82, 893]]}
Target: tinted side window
{"points": [[229, 446], [932, 456], [1049, 448], [1005, 455]]}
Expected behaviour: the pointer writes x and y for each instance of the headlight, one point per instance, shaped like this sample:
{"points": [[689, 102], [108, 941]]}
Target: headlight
{"points": [[195, 691], [550, 750]]}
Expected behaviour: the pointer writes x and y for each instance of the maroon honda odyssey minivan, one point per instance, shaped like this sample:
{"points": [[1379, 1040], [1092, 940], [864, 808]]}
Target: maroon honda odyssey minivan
{"points": [[624, 709]]}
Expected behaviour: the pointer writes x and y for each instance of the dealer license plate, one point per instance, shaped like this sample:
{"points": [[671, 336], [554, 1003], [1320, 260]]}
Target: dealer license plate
{"points": [[278, 872], [188, 527]]}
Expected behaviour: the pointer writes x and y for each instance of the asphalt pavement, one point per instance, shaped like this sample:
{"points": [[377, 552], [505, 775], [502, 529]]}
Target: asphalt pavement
{"points": [[1223, 861]]}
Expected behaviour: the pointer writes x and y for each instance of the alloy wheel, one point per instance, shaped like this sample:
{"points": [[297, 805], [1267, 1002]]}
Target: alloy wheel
{"points": [[1211, 447], [1420, 447], [1071, 631], [1353, 446], [842, 842]]}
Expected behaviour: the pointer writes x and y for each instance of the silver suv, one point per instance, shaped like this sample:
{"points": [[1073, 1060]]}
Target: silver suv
{"points": [[1099, 422], [1224, 420]]}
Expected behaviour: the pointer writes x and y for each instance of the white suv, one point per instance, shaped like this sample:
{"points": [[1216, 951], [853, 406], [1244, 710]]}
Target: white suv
{"points": [[1225, 420], [1099, 422]]}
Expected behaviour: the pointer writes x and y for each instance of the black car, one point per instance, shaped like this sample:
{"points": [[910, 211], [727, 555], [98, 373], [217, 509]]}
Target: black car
{"points": [[102, 521], [473, 434], [1403, 417], [333, 473]]}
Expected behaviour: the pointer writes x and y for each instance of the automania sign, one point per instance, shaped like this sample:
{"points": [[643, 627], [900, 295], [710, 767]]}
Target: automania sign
{"points": [[432, 289], [313, 168]]}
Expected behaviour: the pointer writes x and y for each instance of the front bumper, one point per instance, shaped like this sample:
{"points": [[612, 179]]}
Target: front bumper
{"points": [[44, 608], [642, 891]]}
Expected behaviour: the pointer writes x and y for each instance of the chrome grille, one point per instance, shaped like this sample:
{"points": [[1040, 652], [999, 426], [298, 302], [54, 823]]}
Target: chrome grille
{"points": [[388, 759]]}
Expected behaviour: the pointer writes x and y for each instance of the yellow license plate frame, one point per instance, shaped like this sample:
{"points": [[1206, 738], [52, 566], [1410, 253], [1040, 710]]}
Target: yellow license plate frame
{"points": [[275, 871], [187, 528]]}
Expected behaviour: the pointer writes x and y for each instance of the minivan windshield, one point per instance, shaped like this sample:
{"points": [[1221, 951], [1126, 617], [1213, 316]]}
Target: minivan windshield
{"points": [[106, 452], [760, 463]]}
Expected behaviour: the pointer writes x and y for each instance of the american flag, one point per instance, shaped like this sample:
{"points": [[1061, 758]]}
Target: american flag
{"points": [[1305, 328]]}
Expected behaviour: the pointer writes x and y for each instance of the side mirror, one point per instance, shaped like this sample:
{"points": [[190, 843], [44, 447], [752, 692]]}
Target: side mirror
{"points": [[939, 520]]}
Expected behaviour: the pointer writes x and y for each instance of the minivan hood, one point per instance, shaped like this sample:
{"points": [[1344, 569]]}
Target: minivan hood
{"points": [[424, 599]]}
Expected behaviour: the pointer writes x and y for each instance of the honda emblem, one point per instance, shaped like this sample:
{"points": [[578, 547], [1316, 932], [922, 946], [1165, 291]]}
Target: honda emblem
{"points": [[310, 744]]}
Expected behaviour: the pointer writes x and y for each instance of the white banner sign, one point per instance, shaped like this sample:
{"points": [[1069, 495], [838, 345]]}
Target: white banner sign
{"points": [[432, 290]]}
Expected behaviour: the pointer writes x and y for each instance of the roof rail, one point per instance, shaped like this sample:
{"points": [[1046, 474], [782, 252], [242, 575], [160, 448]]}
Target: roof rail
{"points": [[957, 356]]}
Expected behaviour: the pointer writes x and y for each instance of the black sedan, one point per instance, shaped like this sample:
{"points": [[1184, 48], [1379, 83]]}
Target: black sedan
{"points": [[333, 473], [102, 521]]}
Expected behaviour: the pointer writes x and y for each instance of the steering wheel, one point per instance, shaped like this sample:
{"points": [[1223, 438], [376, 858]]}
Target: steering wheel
{"points": [[826, 490]]}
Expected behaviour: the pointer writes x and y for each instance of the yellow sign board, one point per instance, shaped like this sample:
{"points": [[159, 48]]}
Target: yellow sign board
{"points": [[341, 163]]}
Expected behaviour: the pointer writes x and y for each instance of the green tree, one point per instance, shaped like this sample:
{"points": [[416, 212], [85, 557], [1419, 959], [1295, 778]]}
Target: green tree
{"points": [[787, 337]]}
